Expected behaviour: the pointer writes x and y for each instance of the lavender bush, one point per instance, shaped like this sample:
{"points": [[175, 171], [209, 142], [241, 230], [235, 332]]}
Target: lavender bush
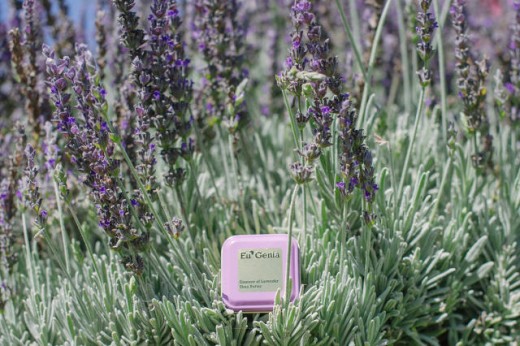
{"points": [[383, 135]]}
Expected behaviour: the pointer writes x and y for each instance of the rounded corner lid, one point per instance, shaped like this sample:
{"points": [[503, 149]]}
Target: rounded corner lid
{"points": [[230, 241]]}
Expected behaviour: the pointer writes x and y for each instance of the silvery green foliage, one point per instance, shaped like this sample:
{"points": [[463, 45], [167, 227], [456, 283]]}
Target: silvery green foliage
{"points": [[438, 266]]}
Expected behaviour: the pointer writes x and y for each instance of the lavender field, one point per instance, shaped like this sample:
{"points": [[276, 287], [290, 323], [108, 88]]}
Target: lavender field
{"points": [[383, 135]]}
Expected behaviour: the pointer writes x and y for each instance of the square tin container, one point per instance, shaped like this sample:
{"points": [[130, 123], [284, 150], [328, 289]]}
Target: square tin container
{"points": [[253, 269]]}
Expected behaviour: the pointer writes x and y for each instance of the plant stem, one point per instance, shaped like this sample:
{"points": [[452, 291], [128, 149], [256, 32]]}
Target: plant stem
{"points": [[441, 20], [167, 209], [353, 42], [371, 62], [305, 192], [442, 76], [353, 8], [289, 246], [223, 155], [184, 213], [206, 158], [28, 256], [441, 190], [147, 198], [412, 140], [404, 56], [291, 116], [84, 237], [62, 227]]}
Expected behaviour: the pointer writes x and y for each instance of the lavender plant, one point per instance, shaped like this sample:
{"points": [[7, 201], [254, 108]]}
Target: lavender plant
{"points": [[220, 36], [30, 189], [312, 76], [507, 92], [164, 91], [23, 47], [9, 202], [6, 76], [437, 266], [426, 25], [471, 83], [91, 151]]}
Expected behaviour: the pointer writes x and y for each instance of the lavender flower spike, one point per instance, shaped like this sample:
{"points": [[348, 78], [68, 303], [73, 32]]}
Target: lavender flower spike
{"points": [[312, 72], [92, 151], [160, 71], [426, 25], [220, 38], [471, 82]]}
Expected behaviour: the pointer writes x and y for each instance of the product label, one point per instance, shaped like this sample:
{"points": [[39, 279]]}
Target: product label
{"points": [[260, 270]]}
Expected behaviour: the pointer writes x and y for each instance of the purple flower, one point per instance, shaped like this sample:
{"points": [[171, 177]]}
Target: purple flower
{"points": [[510, 87], [216, 22], [91, 150], [325, 109], [302, 6], [296, 42], [471, 81], [425, 28]]}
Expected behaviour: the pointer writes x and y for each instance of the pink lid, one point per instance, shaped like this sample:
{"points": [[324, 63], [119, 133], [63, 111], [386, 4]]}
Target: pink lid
{"points": [[253, 269]]}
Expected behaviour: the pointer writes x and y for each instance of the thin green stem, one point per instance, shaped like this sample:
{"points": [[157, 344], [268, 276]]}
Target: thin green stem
{"points": [[415, 84], [28, 256], [167, 209], [184, 213], [289, 246], [353, 42], [238, 184], [442, 76], [475, 142], [206, 157], [368, 128], [353, 7], [223, 155], [158, 219], [304, 236], [142, 188], [244, 148], [84, 237], [405, 69], [62, 227], [441, 190], [300, 146], [197, 189], [412, 140], [291, 116], [437, 40], [371, 62]]}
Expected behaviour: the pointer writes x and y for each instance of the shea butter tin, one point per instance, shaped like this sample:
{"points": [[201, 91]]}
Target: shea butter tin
{"points": [[254, 268]]}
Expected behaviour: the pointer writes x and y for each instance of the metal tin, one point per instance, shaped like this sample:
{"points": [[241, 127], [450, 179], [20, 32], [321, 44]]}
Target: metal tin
{"points": [[254, 268]]}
